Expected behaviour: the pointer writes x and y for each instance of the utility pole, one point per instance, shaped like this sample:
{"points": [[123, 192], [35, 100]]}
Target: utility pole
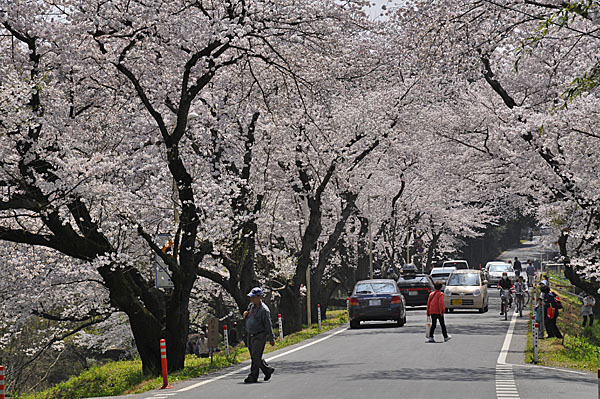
{"points": [[370, 237], [407, 244], [308, 313], [306, 221]]}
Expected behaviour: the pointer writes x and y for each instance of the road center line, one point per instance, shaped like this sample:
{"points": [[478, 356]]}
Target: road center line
{"points": [[199, 384]]}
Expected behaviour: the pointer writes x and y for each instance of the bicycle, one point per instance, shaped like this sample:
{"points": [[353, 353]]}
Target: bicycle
{"points": [[521, 302], [505, 295]]}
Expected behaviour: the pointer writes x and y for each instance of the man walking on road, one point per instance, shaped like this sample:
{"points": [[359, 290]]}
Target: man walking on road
{"points": [[436, 310], [518, 267], [259, 329]]}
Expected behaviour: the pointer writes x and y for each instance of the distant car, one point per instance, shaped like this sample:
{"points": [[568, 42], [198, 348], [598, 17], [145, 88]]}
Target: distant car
{"points": [[458, 264], [376, 300], [441, 274], [466, 289], [496, 269], [416, 289], [409, 269]]}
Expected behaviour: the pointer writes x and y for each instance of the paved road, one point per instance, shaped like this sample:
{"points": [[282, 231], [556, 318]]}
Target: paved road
{"points": [[380, 361]]}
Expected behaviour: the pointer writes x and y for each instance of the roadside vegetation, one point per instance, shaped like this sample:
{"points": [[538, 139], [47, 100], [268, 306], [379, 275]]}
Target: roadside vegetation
{"points": [[126, 377], [580, 348]]}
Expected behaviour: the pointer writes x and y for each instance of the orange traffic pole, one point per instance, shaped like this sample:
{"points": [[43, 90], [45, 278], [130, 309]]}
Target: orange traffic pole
{"points": [[163, 360]]}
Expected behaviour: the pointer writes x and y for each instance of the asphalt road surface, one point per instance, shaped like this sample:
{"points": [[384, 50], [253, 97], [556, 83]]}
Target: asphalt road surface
{"points": [[484, 359]]}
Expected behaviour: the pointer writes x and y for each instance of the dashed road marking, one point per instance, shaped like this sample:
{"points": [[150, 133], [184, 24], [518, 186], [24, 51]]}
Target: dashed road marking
{"points": [[506, 387]]}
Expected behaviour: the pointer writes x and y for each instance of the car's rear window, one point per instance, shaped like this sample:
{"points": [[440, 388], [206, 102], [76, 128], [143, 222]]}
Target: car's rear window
{"points": [[459, 279], [418, 279], [375, 288], [458, 265], [440, 274], [500, 268]]}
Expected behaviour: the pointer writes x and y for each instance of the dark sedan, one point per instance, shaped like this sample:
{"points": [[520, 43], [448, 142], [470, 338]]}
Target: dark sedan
{"points": [[416, 289], [376, 300]]}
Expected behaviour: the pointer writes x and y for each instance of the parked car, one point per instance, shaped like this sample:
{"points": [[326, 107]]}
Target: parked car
{"points": [[496, 269], [466, 289], [376, 300], [458, 264], [441, 274], [416, 289]]}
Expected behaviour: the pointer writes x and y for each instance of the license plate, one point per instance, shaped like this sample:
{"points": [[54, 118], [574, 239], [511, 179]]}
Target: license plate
{"points": [[457, 301], [375, 302], [413, 293]]}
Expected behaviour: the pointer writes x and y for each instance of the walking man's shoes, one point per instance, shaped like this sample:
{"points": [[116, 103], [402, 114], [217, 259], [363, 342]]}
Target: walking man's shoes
{"points": [[250, 380], [269, 374]]}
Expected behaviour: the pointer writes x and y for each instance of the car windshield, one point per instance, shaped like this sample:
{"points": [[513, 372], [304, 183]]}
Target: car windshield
{"points": [[463, 279], [375, 288], [500, 268]]}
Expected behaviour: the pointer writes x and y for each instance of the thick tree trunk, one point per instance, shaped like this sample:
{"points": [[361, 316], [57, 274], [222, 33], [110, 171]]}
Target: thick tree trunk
{"points": [[147, 337], [290, 308], [591, 287], [431, 251], [362, 267]]}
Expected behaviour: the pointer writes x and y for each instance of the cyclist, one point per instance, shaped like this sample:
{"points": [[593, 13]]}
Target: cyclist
{"points": [[505, 284], [520, 290]]}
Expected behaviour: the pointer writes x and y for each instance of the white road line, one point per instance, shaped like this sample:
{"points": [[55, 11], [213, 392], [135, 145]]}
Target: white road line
{"points": [[199, 384], [535, 366], [506, 386], [507, 340]]}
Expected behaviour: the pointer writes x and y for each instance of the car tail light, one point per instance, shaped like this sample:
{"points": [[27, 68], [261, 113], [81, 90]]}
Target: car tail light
{"points": [[353, 301], [396, 299]]}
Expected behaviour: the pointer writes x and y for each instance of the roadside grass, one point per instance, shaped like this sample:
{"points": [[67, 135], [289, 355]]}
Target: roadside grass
{"points": [[125, 377], [580, 348]]}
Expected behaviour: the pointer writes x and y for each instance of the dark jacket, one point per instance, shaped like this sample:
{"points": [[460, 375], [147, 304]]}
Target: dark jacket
{"points": [[550, 301], [259, 320], [506, 284], [517, 265]]}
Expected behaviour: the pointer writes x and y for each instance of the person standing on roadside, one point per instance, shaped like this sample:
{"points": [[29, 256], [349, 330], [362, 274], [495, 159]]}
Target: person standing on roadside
{"points": [[587, 309], [530, 270], [201, 349], [539, 316], [436, 310], [518, 267], [259, 329], [551, 310]]}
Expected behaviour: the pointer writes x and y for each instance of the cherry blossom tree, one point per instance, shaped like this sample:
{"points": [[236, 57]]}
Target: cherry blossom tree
{"points": [[101, 99]]}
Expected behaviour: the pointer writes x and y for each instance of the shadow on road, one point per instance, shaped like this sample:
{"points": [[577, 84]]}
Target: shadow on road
{"points": [[462, 374]]}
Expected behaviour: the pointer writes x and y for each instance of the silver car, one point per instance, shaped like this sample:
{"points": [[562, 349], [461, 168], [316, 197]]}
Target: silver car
{"points": [[495, 271], [441, 274]]}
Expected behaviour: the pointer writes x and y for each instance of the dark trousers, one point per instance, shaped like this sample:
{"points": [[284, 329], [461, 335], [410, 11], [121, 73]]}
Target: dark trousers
{"points": [[552, 328], [585, 319], [434, 320], [256, 346]]}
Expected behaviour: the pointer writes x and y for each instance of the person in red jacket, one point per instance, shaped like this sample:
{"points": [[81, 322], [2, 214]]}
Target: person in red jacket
{"points": [[436, 310]]}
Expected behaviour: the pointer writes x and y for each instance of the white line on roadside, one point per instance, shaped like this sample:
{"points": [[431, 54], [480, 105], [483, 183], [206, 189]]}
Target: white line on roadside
{"points": [[535, 366], [506, 386], [199, 384], [507, 340]]}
